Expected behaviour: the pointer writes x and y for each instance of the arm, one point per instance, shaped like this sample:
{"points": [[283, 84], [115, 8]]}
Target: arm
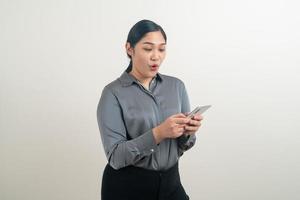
{"points": [[185, 142], [119, 151]]}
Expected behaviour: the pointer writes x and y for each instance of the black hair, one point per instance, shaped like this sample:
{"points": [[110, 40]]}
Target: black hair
{"points": [[138, 31]]}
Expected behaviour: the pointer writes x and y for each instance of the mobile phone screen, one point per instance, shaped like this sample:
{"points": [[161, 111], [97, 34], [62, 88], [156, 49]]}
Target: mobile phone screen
{"points": [[198, 109]]}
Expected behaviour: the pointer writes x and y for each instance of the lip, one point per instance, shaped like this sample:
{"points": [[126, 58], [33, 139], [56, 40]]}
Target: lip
{"points": [[154, 67]]}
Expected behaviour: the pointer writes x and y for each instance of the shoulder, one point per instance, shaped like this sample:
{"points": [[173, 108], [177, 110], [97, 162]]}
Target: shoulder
{"points": [[110, 91], [114, 85]]}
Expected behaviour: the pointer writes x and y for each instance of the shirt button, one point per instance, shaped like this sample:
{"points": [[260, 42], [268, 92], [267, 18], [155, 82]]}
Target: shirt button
{"points": [[152, 150]]}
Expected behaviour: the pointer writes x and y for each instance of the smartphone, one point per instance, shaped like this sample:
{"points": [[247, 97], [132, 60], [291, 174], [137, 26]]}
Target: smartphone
{"points": [[198, 109]]}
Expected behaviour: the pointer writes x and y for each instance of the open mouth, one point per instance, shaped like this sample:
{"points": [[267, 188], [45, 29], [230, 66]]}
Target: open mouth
{"points": [[154, 67]]}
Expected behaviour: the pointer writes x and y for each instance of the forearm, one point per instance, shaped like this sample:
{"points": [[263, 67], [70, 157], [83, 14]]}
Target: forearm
{"points": [[129, 152], [186, 142]]}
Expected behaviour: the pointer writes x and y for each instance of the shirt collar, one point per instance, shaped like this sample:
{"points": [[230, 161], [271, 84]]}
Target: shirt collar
{"points": [[127, 79]]}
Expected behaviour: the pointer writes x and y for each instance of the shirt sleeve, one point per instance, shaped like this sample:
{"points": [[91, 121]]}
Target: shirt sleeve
{"points": [[120, 151], [185, 142]]}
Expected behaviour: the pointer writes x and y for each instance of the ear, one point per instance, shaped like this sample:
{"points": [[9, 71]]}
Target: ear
{"points": [[129, 49]]}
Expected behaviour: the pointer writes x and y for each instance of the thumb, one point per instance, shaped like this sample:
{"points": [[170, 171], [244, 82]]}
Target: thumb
{"points": [[179, 115], [186, 113]]}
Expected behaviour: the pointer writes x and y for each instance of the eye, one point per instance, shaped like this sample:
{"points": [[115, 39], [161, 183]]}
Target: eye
{"points": [[147, 49], [162, 50]]}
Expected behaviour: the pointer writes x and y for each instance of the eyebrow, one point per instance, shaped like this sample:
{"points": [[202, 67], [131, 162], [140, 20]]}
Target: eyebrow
{"points": [[154, 43]]}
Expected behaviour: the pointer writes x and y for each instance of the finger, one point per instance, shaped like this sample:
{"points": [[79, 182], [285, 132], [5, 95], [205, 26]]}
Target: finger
{"points": [[186, 113], [180, 126], [182, 120], [177, 127], [198, 117], [178, 115], [179, 131], [194, 123], [191, 128]]}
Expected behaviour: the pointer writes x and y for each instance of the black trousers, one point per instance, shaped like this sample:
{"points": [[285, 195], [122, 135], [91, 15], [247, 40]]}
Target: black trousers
{"points": [[133, 183]]}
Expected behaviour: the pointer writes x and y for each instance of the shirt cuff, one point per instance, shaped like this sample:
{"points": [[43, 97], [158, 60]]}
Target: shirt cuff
{"points": [[186, 141], [146, 144]]}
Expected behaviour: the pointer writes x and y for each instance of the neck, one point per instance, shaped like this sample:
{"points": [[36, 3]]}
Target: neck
{"points": [[145, 81]]}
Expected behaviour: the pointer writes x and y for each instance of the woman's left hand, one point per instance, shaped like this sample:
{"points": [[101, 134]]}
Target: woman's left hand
{"points": [[193, 125]]}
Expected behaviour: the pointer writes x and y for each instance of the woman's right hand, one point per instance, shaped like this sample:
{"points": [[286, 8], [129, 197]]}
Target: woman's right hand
{"points": [[172, 127]]}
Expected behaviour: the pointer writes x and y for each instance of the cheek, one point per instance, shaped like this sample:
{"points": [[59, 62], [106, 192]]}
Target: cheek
{"points": [[143, 58]]}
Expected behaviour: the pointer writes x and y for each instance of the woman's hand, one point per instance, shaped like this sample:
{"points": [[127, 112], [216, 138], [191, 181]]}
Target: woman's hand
{"points": [[172, 127], [193, 125]]}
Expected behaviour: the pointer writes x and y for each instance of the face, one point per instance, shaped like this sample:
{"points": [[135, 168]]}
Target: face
{"points": [[147, 55]]}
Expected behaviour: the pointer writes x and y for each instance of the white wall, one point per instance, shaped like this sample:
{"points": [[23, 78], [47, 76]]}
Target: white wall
{"points": [[240, 56]]}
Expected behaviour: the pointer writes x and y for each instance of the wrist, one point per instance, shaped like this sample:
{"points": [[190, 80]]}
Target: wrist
{"points": [[157, 135]]}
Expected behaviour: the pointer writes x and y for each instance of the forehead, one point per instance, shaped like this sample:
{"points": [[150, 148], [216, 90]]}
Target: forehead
{"points": [[155, 38]]}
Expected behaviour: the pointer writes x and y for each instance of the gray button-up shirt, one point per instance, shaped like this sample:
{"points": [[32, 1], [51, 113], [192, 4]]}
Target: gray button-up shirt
{"points": [[127, 113]]}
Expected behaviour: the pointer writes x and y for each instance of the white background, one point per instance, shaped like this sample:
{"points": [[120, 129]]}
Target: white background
{"points": [[240, 56]]}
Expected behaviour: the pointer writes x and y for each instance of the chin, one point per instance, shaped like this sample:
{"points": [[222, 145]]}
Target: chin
{"points": [[152, 74]]}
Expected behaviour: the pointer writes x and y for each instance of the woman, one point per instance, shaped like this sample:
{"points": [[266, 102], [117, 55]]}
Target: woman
{"points": [[143, 124]]}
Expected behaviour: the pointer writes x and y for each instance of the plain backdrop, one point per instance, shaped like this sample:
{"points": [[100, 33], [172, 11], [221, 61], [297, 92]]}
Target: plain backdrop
{"points": [[240, 56]]}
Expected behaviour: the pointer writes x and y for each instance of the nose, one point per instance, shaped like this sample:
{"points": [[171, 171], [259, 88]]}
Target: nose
{"points": [[155, 55]]}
